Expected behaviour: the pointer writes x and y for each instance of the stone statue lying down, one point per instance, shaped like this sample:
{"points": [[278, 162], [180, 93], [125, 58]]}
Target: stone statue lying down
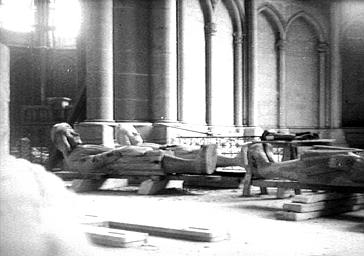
{"points": [[86, 158], [337, 167]]}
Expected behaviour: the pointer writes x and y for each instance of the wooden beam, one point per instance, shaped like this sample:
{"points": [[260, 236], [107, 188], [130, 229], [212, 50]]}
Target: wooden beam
{"points": [[202, 234]]}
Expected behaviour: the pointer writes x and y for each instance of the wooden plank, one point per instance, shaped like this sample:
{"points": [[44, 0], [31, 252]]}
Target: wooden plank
{"points": [[297, 216], [296, 185], [323, 205], [114, 237], [136, 172], [67, 175], [212, 181], [202, 234], [323, 196], [337, 147]]}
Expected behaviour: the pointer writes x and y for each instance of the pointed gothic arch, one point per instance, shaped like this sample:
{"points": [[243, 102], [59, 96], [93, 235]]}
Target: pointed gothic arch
{"points": [[306, 54], [311, 21], [269, 58], [274, 17]]}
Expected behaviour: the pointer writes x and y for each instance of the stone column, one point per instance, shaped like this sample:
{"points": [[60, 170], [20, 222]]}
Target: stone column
{"points": [[334, 100], [180, 59], [98, 38], [281, 49], [42, 31], [163, 29], [335, 64], [163, 61], [245, 81], [252, 22], [238, 80], [322, 50], [4, 99], [210, 30]]}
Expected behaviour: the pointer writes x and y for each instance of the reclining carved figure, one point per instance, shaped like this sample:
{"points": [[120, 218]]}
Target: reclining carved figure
{"points": [[86, 158], [337, 167], [126, 134]]}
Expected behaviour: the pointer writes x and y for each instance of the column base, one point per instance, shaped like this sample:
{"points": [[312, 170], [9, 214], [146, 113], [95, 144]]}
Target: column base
{"points": [[100, 133], [164, 133], [355, 136]]}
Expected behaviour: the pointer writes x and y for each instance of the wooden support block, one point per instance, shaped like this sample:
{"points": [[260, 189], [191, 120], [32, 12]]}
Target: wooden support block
{"points": [[297, 216], [263, 191], [85, 185], [297, 191], [114, 237], [114, 184], [200, 234], [152, 186], [247, 182], [283, 193]]}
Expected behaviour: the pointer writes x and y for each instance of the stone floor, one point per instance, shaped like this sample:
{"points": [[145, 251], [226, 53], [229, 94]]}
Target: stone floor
{"points": [[250, 222]]}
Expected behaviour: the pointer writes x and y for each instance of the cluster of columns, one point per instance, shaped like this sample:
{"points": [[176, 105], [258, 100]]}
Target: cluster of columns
{"points": [[98, 42], [164, 103], [98, 37]]}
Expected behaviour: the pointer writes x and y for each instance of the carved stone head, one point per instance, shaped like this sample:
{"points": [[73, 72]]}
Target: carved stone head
{"points": [[64, 137]]}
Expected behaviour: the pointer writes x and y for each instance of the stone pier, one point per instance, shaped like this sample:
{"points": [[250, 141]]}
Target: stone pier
{"points": [[98, 41]]}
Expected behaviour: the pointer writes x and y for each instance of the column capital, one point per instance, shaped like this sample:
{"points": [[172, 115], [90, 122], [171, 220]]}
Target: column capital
{"points": [[281, 44], [210, 28], [214, 3], [322, 47]]}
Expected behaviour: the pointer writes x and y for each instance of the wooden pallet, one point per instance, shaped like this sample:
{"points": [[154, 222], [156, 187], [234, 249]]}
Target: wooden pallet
{"points": [[304, 207]]}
